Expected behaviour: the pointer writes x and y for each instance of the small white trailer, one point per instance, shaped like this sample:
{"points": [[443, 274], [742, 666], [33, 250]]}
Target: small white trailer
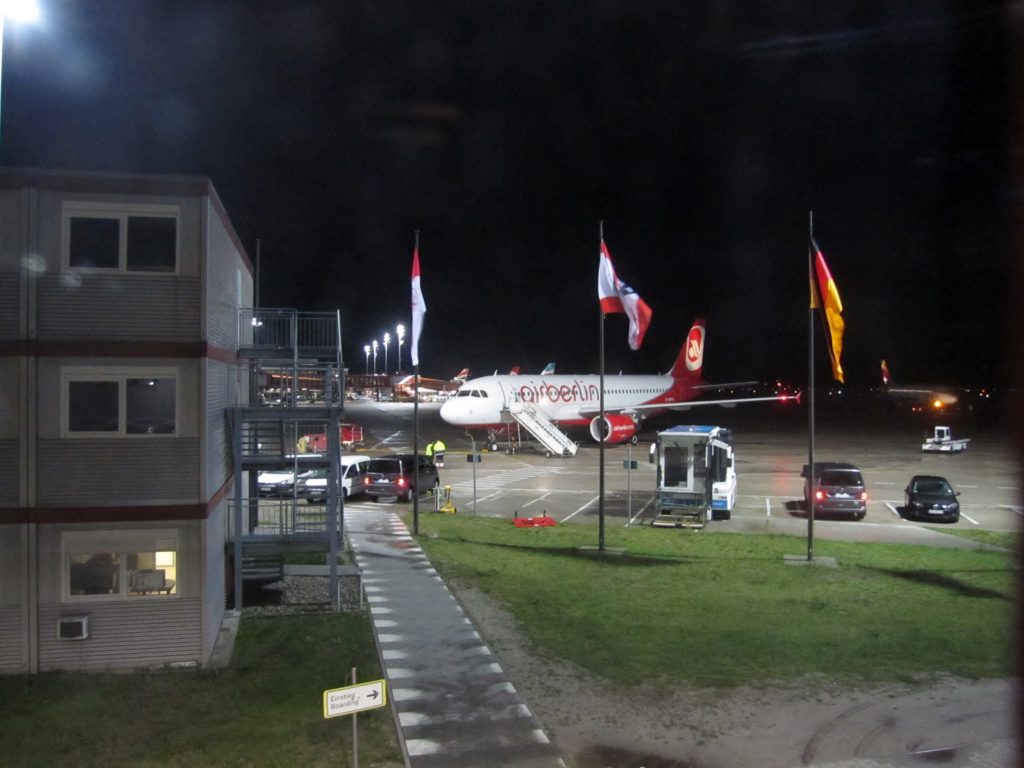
{"points": [[696, 478], [943, 442]]}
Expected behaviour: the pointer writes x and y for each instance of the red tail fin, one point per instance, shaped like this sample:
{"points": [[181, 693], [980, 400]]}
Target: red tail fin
{"points": [[691, 357]]}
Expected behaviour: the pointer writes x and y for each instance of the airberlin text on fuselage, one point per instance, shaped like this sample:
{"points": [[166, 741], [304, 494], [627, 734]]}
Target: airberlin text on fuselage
{"points": [[564, 393]]}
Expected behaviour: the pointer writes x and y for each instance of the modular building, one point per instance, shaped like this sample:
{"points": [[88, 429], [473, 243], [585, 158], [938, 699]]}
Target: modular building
{"points": [[119, 304]]}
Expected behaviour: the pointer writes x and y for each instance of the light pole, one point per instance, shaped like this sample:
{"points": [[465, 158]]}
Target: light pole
{"points": [[366, 349], [387, 340], [374, 357], [16, 10], [400, 332]]}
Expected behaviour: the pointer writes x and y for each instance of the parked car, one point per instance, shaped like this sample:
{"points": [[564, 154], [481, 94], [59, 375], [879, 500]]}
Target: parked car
{"points": [[839, 489], [932, 498], [353, 469], [277, 482], [394, 476]]}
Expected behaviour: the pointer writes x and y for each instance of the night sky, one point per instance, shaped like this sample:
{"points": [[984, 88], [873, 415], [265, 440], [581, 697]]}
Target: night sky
{"points": [[702, 134]]}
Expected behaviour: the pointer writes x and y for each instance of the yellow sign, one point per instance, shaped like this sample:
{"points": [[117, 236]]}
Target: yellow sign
{"points": [[355, 698]]}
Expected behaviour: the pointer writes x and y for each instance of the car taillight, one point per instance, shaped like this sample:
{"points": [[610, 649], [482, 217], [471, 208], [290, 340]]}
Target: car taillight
{"points": [[819, 495], [863, 495], [400, 482]]}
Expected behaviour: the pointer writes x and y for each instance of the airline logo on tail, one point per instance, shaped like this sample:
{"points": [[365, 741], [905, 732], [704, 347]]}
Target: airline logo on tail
{"points": [[695, 348]]}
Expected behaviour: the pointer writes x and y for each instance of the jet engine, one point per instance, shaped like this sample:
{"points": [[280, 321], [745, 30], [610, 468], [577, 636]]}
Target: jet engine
{"points": [[618, 428]]}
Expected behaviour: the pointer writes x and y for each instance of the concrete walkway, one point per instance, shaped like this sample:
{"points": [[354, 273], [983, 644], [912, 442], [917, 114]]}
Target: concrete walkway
{"points": [[453, 703]]}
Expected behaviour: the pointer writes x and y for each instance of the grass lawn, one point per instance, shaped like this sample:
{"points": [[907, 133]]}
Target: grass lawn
{"points": [[265, 710], [709, 608]]}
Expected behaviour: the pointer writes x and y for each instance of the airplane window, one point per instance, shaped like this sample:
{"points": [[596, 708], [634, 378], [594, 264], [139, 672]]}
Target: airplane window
{"points": [[476, 393], [483, 393], [462, 393]]}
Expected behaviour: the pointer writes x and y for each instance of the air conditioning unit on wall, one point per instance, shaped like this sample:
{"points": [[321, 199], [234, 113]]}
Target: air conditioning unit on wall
{"points": [[73, 628]]}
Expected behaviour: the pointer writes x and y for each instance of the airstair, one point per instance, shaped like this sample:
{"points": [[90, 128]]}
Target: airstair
{"points": [[543, 429]]}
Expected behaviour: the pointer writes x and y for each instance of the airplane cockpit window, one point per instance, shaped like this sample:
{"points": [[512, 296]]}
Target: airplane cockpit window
{"points": [[462, 393]]}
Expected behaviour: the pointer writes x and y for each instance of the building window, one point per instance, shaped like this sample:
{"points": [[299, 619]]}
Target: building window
{"points": [[108, 403], [140, 239], [120, 564]]}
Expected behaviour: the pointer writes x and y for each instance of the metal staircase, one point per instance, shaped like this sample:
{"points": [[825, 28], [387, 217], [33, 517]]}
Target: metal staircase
{"points": [[543, 429]]}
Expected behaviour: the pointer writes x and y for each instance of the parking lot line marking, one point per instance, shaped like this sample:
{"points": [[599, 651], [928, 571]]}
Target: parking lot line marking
{"points": [[570, 517], [539, 498], [645, 506], [893, 509], [969, 518], [1018, 510]]}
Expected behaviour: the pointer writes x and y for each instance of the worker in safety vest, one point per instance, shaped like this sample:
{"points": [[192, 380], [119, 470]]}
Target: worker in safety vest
{"points": [[438, 449], [429, 450]]}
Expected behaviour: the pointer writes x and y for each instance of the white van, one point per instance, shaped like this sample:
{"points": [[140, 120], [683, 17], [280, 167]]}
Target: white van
{"points": [[313, 484]]}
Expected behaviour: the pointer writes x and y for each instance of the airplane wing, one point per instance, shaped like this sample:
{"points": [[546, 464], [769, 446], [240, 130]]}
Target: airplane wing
{"points": [[685, 406]]}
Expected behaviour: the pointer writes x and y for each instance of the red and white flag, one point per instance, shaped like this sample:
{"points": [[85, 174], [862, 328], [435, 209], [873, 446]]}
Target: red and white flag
{"points": [[419, 307], [616, 296]]}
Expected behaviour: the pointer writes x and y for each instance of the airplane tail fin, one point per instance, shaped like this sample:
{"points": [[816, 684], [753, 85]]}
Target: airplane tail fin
{"points": [[690, 361], [461, 375], [886, 380], [548, 369]]}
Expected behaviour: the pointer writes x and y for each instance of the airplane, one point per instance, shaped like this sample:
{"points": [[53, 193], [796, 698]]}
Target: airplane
{"points": [[461, 375], [922, 396], [496, 403], [548, 369]]}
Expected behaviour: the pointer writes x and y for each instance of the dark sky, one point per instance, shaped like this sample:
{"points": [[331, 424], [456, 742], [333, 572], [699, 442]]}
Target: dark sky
{"points": [[702, 134]]}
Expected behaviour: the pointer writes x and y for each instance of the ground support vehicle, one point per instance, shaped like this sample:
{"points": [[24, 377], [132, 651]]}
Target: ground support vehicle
{"points": [[696, 477], [942, 442], [350, 435]]}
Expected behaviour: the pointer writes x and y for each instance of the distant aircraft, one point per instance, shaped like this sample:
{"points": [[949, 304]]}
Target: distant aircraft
{"points": [[461, 375], [921, 396], [514, 371], [495, 403], [548, 369]]}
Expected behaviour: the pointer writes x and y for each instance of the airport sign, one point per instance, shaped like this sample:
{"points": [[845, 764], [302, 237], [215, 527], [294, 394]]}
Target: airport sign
{"points": [[355, 698]]}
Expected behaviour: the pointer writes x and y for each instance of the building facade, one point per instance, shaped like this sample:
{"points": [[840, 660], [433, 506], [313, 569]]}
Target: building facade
{"points": [[119, 305]]}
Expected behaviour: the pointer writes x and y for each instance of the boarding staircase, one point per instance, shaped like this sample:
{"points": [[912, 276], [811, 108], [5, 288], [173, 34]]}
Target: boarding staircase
{"points": [[553, 439]]}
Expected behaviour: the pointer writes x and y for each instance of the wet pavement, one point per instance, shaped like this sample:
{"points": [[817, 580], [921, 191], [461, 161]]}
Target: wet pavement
{"points": [[453, 703]]}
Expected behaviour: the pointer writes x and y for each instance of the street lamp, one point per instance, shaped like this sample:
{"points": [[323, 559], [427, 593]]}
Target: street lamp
{"points": [[366, 349], [400, 331], [387, 340], [15, 10], [374, 357]]}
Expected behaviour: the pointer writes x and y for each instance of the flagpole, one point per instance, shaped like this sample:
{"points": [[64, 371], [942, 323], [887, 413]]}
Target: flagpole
{"points": [[600, 485], [416, 429], [811, 479]]}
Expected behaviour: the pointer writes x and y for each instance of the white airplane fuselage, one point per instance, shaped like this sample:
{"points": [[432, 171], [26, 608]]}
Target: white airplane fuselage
{"points": [[564, 399]]}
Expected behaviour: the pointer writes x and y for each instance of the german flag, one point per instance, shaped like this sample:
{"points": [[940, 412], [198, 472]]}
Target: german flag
{"points": [[825, 295]]}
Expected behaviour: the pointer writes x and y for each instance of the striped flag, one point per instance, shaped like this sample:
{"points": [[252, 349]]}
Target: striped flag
{"points": [[419, 307], [616, 296], [825, 295]]}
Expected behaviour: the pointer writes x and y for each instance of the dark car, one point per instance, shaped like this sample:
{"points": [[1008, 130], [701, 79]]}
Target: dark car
{"points": [[931, 497], [394, 475], [839, 489]]}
